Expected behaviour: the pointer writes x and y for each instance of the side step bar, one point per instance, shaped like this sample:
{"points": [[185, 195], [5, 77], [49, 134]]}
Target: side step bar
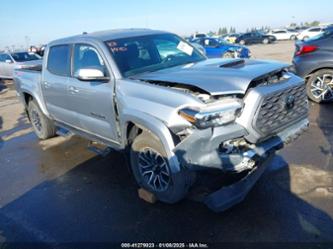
{"points": [[95, 147], [63, 132]]}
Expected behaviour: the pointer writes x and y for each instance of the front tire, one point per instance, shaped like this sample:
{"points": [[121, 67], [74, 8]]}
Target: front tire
{"points": [[43, 126], [242, 42], [229, 54], [265, 41], [293, 37], [151, 169], [319, 86]]}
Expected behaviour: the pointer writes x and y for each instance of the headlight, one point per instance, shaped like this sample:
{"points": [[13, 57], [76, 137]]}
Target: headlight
{"points": [[211, 117]]}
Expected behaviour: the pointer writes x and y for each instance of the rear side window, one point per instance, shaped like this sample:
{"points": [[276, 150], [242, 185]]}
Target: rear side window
{"points": [[59, 60]]}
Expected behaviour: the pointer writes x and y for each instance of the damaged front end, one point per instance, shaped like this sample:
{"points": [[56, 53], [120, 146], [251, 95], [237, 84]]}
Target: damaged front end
{"points": [[243, 135]]}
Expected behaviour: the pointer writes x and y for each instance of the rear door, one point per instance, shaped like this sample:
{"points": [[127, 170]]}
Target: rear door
{"points": [[92, 101], [55, 84]]}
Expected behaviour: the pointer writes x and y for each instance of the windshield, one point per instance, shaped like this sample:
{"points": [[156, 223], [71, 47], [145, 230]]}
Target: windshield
{"points": [[25, 56], [152, 52], [326, 33]]}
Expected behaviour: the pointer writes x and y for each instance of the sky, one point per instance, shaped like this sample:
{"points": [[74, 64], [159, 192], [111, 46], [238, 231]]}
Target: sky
{"points": [[30, 22]]}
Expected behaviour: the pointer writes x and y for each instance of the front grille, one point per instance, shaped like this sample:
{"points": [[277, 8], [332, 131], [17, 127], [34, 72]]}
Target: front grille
{"points": [[281, 109]]}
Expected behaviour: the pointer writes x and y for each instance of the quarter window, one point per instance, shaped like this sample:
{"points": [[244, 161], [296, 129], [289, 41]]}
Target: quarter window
{"points": [[59, 60]]}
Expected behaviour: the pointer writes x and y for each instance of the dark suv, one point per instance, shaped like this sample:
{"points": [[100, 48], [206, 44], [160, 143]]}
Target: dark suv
{"points": [[255, 37], [313, 60]]}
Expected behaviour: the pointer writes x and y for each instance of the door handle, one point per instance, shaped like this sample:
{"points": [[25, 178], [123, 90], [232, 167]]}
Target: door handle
{"points": [[73, 89], [46, 84]]}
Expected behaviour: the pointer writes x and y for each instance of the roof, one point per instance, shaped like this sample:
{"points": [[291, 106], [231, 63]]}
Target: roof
{"points": [[112, 34]]}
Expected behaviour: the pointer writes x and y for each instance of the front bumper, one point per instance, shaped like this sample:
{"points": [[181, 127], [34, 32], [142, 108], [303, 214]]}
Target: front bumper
{"points": [[201, 150], [261, 154]]}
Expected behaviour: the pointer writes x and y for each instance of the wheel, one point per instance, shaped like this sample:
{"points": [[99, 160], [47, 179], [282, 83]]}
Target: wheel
{"points": [[152, 171], [265, 41], [229, 54], [43, 126], [319, 86], [242, 42], [293, 37]]}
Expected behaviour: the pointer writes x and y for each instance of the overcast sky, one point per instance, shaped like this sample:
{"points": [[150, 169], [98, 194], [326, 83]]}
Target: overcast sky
{"points": [[39, 21]]}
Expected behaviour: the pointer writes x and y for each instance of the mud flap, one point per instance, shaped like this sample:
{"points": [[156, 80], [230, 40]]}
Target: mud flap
{"points": [[228, 196]]}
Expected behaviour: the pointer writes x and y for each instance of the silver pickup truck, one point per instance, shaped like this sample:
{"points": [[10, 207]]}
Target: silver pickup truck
{"points": [[174, 112]]}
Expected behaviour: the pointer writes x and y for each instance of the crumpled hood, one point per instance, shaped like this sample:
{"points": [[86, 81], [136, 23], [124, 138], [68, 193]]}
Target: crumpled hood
{"points": [[215, 76]]}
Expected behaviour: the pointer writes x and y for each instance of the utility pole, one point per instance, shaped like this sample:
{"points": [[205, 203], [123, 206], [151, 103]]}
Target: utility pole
{"points": [[27, 41]]}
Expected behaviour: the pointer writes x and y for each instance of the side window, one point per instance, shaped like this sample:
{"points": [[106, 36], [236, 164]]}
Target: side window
{"points": [[59, 60], [86, 56], [5, 57], [315, 30]]}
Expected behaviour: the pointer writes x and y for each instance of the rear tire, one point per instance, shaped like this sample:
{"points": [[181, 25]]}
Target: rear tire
{"points": [[293, 37], [319, 86], [152, 171], [242, 42], [43, 126]]}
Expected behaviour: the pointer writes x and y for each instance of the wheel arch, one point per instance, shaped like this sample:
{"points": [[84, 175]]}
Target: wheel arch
{"points": [[318, 69], [143, 121]]}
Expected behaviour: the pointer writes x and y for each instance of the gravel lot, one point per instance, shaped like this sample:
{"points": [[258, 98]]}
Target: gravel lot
{"points": [[57, 191]]}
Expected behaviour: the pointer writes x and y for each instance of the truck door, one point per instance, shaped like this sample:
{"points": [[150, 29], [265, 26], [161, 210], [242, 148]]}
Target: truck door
{"points": [[92, 100], [55, 83]]}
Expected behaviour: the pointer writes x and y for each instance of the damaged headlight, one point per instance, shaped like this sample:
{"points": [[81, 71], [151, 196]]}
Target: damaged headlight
{"points": [[211, 117]]}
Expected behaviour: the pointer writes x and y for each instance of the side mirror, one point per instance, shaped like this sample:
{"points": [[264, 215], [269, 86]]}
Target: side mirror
{"points": [[9, 61], [90, 74]]}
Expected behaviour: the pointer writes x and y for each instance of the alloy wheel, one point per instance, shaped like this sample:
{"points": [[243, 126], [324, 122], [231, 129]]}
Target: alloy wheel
{"points": [[154, 169], [322, 87]]}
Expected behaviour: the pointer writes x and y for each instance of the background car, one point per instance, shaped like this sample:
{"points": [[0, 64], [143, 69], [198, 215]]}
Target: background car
{"points": [[283, 34], [313, 60], [8, 61], [231, 38], [310, 32], [254, 37], [216, 48]]}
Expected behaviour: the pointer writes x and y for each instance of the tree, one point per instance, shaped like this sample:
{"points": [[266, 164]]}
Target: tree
{"points": [[315, 23], [211, 33]]}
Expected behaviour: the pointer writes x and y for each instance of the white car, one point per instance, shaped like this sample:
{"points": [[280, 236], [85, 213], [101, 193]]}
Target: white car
{"points": [[310, 32], [283, 34]]}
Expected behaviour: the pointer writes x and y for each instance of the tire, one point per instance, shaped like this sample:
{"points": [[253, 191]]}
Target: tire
{"points": [[173, 186], [293, 37], [229, 54], [319, 86], [265, 41], [43, 126], [242, 42]]}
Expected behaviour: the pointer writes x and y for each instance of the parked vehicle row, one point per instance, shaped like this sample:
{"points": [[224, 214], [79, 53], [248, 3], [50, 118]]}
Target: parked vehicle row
{"points": [[157, 98]]}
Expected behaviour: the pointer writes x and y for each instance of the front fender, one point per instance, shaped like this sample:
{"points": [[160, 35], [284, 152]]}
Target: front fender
{"points": [[157, 127]]}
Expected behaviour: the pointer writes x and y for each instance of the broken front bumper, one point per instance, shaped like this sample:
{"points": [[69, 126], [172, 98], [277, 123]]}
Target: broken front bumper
{"points": [[201, 152]]}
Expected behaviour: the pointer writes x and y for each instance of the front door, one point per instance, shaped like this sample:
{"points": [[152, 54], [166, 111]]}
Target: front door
{"points": [[92, 100]]}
